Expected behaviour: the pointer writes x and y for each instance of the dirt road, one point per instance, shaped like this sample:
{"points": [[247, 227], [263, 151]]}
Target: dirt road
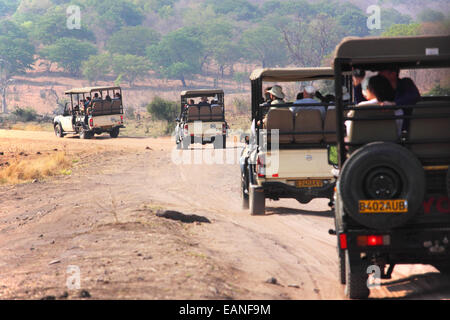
{"points": [[103, 222]]}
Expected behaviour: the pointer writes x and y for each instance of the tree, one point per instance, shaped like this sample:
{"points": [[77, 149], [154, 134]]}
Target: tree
{"points": [[69, 54], [16, 56], [177, 56], [429, 15], [132, 40], [308, 42], [396, 30], [241, 9], [162, 109], [114, 14], [130, 67], [96, 67], [264, 44], [52, 26]]}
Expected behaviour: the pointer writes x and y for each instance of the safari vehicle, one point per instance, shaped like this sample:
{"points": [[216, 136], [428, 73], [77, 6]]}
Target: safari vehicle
{"points": [[392, 194], [104, 114], [294, 164], [201, 123]]}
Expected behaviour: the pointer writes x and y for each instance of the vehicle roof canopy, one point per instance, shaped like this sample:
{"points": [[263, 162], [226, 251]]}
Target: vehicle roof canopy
{"points": [[292, 74], [90, 89], [415, 51], [201, 92]]}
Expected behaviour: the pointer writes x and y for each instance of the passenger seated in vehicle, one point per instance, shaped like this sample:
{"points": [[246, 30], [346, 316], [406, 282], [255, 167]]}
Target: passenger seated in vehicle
{"points": [[191, 102], [276, 96], [204, 102], [267, 100], [378, 91], [87, 102], [117, 96], [96, 97], [308, 95], [108, 98]]}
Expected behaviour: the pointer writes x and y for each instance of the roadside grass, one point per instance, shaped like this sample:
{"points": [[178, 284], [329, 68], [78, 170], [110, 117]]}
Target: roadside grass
{"points": [[27, 126], [26, 170]]}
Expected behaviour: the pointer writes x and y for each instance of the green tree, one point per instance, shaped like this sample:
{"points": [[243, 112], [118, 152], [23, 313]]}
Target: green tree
{"points": [[96, 67], [130, 67], [16, 55], [69, 54], [429, 15], [402, 30], [52, 26], [240, 9], [132, 40], [264, 44], [165, 110], [177, 56], [115, 14]]}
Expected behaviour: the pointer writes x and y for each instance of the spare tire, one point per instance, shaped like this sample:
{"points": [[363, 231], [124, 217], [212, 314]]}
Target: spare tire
{"points": [[382, 171], [448, 182]]}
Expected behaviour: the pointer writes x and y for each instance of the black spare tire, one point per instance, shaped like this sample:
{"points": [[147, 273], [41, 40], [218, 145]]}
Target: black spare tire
{"points": [[382, 171]]}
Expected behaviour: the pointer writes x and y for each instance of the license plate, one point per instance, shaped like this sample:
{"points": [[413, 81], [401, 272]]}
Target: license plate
{"points": [[213, 125], [383, 206], [309, 183]]}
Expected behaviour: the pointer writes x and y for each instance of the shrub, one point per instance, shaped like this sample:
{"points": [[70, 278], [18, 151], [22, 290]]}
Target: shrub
{"points": [[162, 109], [25, 114]]}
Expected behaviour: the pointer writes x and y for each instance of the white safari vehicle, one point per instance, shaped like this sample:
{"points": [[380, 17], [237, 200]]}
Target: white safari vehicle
{"points": [[201, 119], [287, 153], [103, 113]]}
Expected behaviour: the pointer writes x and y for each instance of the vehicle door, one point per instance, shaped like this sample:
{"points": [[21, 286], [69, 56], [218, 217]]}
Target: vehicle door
{"points": [[67, 119]]}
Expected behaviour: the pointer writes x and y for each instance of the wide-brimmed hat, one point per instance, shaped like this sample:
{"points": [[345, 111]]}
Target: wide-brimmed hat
{"points": [[277, 92]]}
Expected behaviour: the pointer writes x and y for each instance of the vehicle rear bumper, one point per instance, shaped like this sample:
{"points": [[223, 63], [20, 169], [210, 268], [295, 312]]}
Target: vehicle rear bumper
{"points": [[276, 190], [406, 246]]}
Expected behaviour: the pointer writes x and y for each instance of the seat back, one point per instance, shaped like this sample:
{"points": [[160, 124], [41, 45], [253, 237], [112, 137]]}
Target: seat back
{"points": [[308, 120], [366, 131], [330, 126], [114, 106], [216, 113], [426, 129], [97, 108], [192, 113], [281, 119], [205, 113]]}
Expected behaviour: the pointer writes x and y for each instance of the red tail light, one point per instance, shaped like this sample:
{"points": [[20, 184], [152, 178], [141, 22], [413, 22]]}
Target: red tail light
{"points": [[121, 119], [91, 122], [373, 240], [224, 129], [343, 241], [260, 167]]}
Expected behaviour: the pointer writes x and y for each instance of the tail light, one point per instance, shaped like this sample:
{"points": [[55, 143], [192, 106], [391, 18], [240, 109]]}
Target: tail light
{"points": [[121, 119], [373, 240], [91, 122], [224, 129], [343, 241], [260, 167], [186, 129]]}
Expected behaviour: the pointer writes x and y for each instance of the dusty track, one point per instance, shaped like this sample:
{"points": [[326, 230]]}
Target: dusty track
{"points": [[103, 219]]}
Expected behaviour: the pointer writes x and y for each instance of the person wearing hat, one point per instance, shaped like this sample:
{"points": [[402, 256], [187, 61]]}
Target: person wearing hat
{"points": [[308, 95], [276, 95]]}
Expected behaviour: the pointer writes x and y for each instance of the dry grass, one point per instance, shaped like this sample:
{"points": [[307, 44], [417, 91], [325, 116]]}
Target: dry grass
{"points": [[25, 170], [28, 126]]}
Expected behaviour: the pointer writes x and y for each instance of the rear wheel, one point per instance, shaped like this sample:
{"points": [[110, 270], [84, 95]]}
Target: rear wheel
{"points": [[186, 142], [257, 201], [84, 134], [355, 281], [114, 132], [382, 171], [342, 267], [244, 195], [58, 130]]}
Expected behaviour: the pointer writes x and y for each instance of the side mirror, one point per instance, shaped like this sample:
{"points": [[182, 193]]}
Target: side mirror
{"points": [[332, 155]]}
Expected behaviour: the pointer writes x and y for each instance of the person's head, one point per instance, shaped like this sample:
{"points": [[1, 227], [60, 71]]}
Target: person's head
{"points": [[309, 92], [379, 87], [88, 98], [276, 92], [300, 96], [96, 96], [191, 102], [117, 95], [266, 93], [108, 98], [204, 99], [391, 74]]}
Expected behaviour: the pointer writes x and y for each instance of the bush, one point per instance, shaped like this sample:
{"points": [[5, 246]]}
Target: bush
{"points": [[25, 114], [162, 109], [439, 91], [130, 113]]}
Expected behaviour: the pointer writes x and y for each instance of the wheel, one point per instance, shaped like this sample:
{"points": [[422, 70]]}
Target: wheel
{"points": [[257, 201], [224, 138], [59, 130], [84, 134], [178, 143], [382, 170], [114, 132], [355, 281], [342, 275], [244, 196], [186, 142]]}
